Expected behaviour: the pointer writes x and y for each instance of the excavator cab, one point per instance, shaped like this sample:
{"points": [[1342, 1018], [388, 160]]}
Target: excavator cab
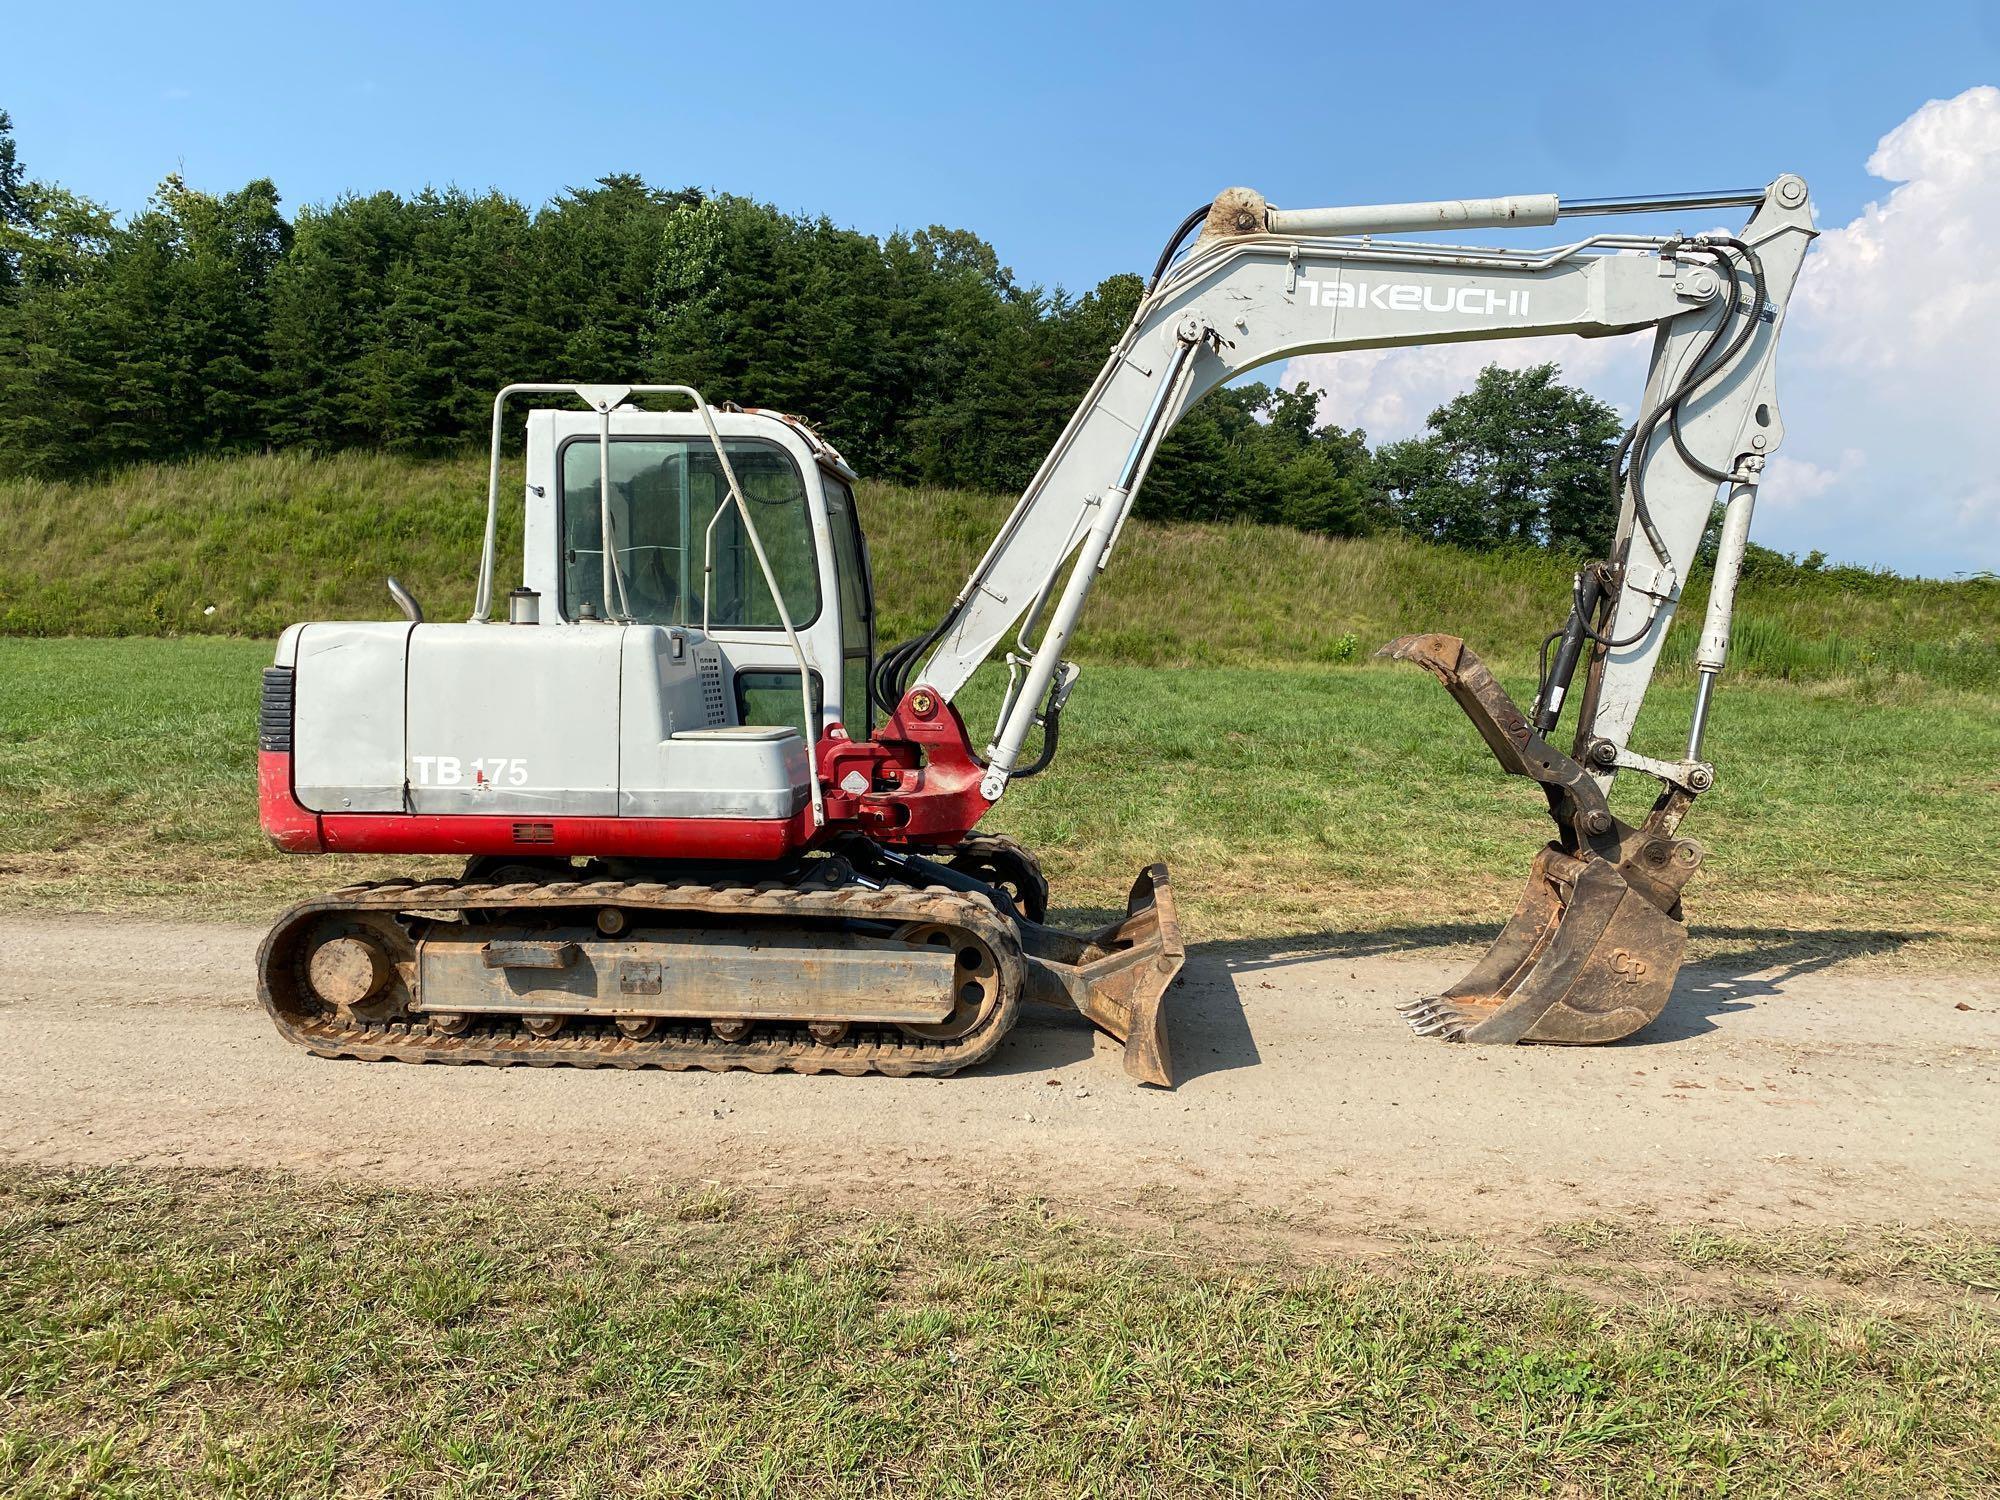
{"points": [[659, 681], [682, 555]]}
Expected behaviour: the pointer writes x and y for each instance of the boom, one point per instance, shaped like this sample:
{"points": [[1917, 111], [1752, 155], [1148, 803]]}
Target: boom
{"points": [[1592, 949], [1264, 284]]}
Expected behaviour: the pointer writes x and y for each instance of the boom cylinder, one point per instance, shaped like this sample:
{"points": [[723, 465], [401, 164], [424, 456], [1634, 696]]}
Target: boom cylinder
{"points": [[1399, 218]]}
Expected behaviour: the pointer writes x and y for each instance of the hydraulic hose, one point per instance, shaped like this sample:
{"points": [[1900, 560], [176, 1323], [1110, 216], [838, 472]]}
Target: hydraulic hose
{"points": [[882, 683], [1628, 464], [891, 681], [892, 672], [1051, 722], [1701, 367], [1755, 265], [1174, 244], [1638, 438]]}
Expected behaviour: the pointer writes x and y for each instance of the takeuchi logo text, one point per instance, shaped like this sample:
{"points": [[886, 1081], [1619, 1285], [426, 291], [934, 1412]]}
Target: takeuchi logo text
{"points": [[1409, 296]]}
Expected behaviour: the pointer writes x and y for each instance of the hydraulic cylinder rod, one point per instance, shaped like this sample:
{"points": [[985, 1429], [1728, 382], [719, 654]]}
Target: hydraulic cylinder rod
{"points": [[1661, 202], [1519, 210], [1714, 648], [1402, 218]]}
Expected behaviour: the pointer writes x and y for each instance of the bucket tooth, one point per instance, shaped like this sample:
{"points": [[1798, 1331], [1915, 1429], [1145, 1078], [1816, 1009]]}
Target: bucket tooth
{"points": [[1427, 1022], [1118, 976], [1439, 1020]]}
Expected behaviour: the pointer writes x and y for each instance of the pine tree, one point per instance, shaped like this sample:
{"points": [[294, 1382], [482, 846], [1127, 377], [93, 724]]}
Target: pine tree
{"points": [[13, 212], [211, 323], [327, 299]]}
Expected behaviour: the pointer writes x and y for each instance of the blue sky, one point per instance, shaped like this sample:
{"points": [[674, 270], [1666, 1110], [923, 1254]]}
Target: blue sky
{"points": [[1073, 137]]}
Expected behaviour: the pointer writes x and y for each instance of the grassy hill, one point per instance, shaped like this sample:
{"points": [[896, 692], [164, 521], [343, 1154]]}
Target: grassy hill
{"points": [[245, 546]]}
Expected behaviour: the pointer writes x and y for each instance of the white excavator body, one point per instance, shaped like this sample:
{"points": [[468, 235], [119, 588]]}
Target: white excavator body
{"points": [[777, 825]]}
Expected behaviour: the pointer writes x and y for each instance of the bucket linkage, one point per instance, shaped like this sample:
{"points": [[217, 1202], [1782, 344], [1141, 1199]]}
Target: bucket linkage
{"points": [[1592, 949]]}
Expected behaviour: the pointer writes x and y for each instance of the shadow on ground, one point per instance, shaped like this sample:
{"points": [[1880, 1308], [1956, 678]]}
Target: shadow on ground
{"points": [[1210, 1033], [1755, 964]]}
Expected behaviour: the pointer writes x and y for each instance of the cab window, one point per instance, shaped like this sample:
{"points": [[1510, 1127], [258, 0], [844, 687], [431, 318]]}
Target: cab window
{"points": [[664, 493], [857, 607]]}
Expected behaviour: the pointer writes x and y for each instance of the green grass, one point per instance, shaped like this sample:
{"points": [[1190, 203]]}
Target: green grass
{"points": [[1297, 802], [241, 1335], [1228, 719], [265, 541], [246, 1336]]}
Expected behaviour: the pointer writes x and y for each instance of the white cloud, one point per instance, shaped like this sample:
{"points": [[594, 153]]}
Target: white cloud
{"points": [[1889, 375], [1790, 480], [1911, 286], [1896, 325]]}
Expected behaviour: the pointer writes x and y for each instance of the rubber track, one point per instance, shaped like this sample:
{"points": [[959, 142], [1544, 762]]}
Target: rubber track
{"points": [[587, 1042]]}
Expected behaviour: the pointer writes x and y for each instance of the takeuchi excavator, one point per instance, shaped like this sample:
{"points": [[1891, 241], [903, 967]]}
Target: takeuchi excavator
{"points": [[705, 823]]}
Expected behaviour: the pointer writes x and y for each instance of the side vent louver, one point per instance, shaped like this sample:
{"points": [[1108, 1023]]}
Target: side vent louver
{"points": [[274, 711], [714, 703]]}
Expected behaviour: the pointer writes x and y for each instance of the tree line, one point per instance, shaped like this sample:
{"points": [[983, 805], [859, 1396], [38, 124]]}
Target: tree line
{"points": [[208, 323]]}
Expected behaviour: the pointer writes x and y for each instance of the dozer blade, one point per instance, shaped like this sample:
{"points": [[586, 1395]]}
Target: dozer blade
{"points": [[1117, 976], [1591, 952]]}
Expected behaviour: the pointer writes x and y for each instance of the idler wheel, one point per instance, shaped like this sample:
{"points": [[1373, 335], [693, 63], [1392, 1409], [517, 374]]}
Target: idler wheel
{"points": [[1010, 869], [346, 971]]}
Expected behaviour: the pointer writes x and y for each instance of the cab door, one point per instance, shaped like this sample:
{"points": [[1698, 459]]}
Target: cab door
{"points": [[857, 607]]}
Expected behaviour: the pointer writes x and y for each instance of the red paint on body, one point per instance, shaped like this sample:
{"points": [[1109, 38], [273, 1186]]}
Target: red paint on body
{"points": [[288, 825], [754, 840], [923, 776], [298, 830], [922, 788]]}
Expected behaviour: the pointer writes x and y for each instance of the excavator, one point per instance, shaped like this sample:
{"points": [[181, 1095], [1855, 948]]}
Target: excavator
{"points": [[707, 824]]}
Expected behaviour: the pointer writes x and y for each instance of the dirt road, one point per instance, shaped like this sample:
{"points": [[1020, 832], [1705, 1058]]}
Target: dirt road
{"points": [[1771, 1091]]}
